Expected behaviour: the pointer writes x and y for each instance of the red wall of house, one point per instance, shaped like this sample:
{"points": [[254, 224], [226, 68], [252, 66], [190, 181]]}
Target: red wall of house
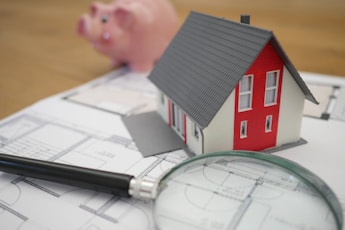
{"points": [[257, 139]]}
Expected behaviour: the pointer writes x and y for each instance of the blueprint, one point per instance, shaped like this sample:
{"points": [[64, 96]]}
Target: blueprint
{"points": [[241, 194], [129, 94], [59, 130], [42, 205], [83, 127], [330, 92]]}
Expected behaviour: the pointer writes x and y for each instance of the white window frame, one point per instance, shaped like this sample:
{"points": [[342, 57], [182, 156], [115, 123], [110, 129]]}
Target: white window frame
{"points": [[177, 117], [162, 98], [273, 88], [244, 93], [268, 123], [196, 131], [243, 129]]}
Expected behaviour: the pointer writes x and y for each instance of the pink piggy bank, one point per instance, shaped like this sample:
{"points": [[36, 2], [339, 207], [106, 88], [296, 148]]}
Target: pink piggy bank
{"points": [[133, 32]]}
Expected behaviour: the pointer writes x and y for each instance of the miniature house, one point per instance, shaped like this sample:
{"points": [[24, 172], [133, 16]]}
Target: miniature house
{"points": [[227, 85]]}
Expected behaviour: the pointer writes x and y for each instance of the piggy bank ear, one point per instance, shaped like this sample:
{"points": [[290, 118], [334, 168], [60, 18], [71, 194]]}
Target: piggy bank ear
{"points": [[94, 8], [123, 17]]}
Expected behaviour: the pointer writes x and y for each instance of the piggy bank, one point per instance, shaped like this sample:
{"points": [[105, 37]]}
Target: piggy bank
{"points": [[132, 32]]}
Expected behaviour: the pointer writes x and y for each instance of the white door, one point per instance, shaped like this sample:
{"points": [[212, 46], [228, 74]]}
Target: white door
{"points": [[177, 120]]}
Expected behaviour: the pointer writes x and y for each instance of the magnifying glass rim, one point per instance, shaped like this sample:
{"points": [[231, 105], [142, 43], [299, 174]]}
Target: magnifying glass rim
{"points": [[297, 170]]}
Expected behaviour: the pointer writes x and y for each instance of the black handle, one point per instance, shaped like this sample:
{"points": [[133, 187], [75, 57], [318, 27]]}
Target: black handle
{"points": [[109, 182]]}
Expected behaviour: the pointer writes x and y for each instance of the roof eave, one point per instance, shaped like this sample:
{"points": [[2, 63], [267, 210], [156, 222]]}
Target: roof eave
{"points": [[293, 71]]}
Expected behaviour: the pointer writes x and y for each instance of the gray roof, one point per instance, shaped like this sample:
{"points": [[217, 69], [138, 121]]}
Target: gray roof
{"points": [[206, 60]]}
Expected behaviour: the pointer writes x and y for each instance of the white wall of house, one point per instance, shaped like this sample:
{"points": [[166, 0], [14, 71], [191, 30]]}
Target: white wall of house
{"points": [[162, 106], [291, 110], [219, 135]]}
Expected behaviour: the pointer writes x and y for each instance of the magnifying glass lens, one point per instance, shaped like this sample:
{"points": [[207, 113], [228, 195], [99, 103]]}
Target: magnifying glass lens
{"points": [[242, 191]]}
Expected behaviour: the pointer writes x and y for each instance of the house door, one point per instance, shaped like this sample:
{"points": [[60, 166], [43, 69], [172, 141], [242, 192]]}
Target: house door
{"points": [[178, 120]]}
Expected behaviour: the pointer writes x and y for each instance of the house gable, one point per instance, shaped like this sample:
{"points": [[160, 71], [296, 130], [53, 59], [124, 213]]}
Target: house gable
{"points": [[258, 135]]}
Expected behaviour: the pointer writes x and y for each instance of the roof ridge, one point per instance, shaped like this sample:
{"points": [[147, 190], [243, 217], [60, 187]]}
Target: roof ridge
{"points": [[232, 21]]}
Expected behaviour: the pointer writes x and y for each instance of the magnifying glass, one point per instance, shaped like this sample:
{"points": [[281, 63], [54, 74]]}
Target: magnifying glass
{"points": [[226, 190]]}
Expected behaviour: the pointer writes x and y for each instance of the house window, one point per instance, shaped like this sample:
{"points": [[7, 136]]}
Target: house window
{"points": [[245, 96], [177, 119], [243, 129], [162, 98], [268, 124], [196, 131], [272, 79]]}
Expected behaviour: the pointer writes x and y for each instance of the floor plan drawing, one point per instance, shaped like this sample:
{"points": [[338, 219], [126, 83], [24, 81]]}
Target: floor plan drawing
{"points": [[36, 135], [331, 95], [84, 127], [129, 94], [242, 195], [328, 96]]}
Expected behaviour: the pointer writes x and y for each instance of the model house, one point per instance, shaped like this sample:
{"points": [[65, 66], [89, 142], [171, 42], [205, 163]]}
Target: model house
{"points": [[227, 85]]}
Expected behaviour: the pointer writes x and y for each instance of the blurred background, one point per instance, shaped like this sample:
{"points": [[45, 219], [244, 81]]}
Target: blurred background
{"points": [[41, 54]]}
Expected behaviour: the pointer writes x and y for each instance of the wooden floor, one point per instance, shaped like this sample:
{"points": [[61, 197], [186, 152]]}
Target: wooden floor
{"points": [[41, 55]]}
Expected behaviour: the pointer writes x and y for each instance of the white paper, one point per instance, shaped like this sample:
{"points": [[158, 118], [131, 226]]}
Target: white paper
{"points": [[76, 128]]}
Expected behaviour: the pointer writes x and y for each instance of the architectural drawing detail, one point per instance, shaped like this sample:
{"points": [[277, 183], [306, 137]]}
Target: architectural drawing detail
{"points": [[29, 135]]}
